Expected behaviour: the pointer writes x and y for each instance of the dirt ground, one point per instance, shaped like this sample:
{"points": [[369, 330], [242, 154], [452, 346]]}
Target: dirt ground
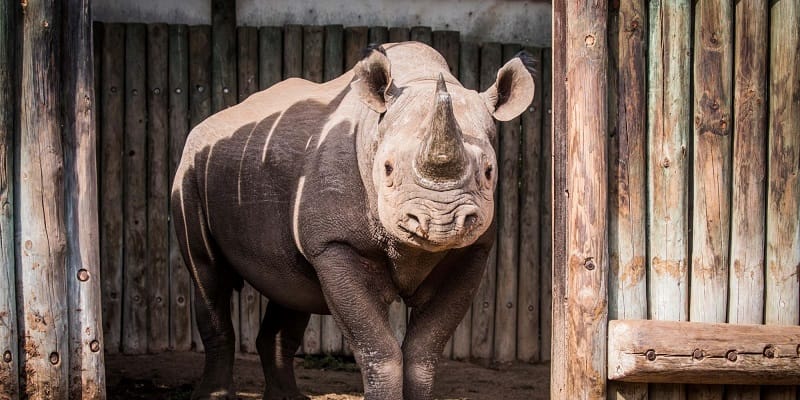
{"points": [[171, 376]]}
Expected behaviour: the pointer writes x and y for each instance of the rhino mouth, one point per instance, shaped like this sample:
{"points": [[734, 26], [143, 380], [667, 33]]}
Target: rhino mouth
{"points": [[422, 230]]}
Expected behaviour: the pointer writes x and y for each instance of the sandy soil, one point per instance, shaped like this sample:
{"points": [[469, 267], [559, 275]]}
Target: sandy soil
{"points": [[171, 376]]}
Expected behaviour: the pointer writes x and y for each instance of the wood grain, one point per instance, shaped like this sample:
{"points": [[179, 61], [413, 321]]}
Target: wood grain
{"points": [[270, 55], [292, 51], [546, 259], [447, 44], [378, 35], [399, 34], [355, 41], [422, 34], [223, 54]]}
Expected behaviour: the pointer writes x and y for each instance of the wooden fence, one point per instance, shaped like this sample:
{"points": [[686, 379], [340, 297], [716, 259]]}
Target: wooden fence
{"points": [[156, 81]]}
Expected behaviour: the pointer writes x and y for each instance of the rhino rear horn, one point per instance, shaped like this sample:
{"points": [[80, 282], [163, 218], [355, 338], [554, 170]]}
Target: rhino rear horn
{"points": [[373, 81]]}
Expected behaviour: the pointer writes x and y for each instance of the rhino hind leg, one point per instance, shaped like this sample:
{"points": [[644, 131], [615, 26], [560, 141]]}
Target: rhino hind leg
{"points": [[279, 337]]}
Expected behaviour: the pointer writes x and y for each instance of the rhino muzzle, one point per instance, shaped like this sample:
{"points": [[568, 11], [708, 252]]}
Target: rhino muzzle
{"points": [[441, 159]]}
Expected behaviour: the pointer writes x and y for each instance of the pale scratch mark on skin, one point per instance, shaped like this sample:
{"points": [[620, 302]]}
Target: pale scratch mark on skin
{"points": [[241, 161], [329, 125], [206, 243], [308, 142], [269, 136], [205, 185], [192, 266], [296, 214]]}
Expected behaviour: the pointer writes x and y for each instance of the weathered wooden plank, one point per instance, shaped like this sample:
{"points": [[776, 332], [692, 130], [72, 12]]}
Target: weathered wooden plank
{"points": [[292, 51], [312, 56], [469, 75], [399, 34], [782, 297], [44, 348], [378, 35], [180, 283], [331, 339], [483, 305], [507, 217], [249, 298], [627, 292], [355, 41], [86, 366], [530, 206], [704, 353], [135, 285], [447, 43], [546, 218], [223, 54], [585, 279], [748, 200], [112, 126], [668, 187], [9, 339], [199, 109], [157, 188], [270, 56], [422, 34]]}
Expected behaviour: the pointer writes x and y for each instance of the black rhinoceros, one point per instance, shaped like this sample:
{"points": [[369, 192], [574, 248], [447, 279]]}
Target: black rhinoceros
{"points": [[338, 198]]}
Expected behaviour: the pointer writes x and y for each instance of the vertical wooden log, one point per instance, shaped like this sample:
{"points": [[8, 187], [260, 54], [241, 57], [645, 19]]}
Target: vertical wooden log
{"points": [[582, 353], [546, 291], [447, 44], [157, 189], [378, 35], [41, 247], [199, 108], [180, 283], [505, 312], [668, 118], [112, 126], [312, 54], [782, 301], [355, 41], [748, 200], [86, 366], [134, 304], [292, 51], [469, 75], [399, 34], [627, 295], [483, 305], [331, 340], [249, 298], [9, 340], [530, 206], [711, 212], [422, 34]]}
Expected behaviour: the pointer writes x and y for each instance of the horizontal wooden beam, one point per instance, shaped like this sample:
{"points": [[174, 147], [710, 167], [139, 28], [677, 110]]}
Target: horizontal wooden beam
{"points": [[703, 353]]}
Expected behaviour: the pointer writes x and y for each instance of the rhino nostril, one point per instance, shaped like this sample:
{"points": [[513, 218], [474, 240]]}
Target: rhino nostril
{"points": [[417, 224], [466, 221]]}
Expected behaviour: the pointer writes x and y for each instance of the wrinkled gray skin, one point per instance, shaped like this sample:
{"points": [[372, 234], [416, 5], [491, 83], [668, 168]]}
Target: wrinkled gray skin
{"points": [[338, 198]]}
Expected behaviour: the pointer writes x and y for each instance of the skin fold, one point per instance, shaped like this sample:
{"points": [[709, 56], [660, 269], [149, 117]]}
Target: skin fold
{"points": [[337, 198]]}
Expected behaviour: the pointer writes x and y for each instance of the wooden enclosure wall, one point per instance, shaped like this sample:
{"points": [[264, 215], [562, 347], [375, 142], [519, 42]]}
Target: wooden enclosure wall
{"points": [[155, 82]]}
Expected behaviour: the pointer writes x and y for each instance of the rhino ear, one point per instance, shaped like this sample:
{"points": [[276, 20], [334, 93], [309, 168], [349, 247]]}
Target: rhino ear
{"points": [[512, 92], [373, 79]]}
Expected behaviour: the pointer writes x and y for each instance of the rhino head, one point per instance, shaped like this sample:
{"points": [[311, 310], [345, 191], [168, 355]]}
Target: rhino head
{"points": [[431, 162]]}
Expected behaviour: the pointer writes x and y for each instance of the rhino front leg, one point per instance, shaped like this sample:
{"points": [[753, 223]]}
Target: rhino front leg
{"points": [[433, 322], [358, 292], [278, 339]]}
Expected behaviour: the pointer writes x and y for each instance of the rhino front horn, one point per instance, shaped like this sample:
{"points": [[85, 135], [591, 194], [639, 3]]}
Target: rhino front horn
{"points": [[441, 156]]}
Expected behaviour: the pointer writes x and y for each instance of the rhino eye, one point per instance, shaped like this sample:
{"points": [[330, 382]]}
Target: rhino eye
{"points": [[388, 168], [488, 172]]}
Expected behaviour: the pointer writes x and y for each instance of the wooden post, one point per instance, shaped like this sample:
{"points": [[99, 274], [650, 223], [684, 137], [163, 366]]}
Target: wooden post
{"points": [[748, 200], [378, 35], [469, 75], [249, 298], [331, 340], [447, 43], [546, 293], [292, 51], [627, 292], [180, 283], [505, 312], [530, 207], [86, 365], [399, 34], [312, 54], [112, 126], [199, 109], [483, 305], [668, 121], [782, 300], [582, 281], [9, 340], [355, 41], [41, 250], [134, 304], [422, 34], [158, 185]]}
